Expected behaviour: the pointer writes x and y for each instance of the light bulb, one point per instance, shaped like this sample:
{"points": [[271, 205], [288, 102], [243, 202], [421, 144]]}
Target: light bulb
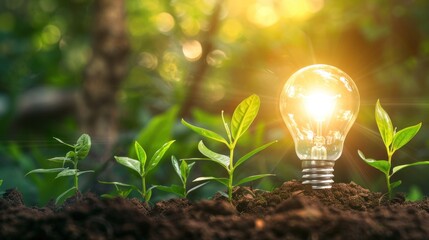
{"points": [[319, 104]]}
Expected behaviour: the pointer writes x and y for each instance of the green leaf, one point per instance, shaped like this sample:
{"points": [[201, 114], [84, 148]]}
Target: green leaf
{"points": [[1, 182], [195, 188], [190, 165], [141, 155], [250, 154], [83, 145], [382, 165], [184, 171], [176, 189], [384, 124], [83, 172], [66, 172], [61, 141], [205, 132], [224, 181], [60, 160], [129, 163], [404, 136], [125, 193], [176, 167], [50, 170], [227, 129], [399, 167], [109, 196], [64, 194], [253, 178], [118, 184], [148, 195], [224, 194], [395, 184], [70, 155], [216, 157], [244, 115], [156, 158]]}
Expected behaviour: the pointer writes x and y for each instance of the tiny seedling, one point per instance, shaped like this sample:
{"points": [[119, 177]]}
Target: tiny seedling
{"points": [[142, 167], [242, 118], [393, 141], [182, 171], [70, 163]]}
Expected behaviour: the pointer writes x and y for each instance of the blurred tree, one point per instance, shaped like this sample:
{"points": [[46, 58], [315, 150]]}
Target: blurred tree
{"points": [[105, 72]]}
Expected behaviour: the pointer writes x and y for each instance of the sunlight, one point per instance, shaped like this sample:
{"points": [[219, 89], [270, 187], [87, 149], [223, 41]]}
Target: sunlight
{"points": [[192, 50], [164, 22], [262, 13], [231, 30], [190, 26], [300, 9]]}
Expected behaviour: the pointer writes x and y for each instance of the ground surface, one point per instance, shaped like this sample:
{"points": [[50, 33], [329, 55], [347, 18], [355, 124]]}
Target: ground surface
{"points": [[292, 211]]}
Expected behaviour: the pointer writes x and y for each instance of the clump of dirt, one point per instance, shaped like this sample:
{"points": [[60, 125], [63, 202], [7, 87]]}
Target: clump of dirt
{"points": [[292, 211]]}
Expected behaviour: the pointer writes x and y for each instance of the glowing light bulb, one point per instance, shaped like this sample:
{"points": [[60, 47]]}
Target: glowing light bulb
{"points": [[319, 104]]}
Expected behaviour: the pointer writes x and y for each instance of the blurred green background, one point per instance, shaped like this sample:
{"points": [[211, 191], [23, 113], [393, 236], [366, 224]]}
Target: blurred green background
{"points": [[173, 59]]}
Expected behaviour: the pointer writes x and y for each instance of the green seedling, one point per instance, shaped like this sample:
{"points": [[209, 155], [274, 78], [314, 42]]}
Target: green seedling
{"points": [[122, 189], [182, 171], [142, 168], [69, 163], [393, 141], [242, 118]]}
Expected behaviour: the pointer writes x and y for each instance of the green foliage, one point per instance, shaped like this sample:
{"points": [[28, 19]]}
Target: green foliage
{"points": [[142, 167], [183, 170], [415, 194], [393, 141], [242, 118], [69, 163], [157, 132]]}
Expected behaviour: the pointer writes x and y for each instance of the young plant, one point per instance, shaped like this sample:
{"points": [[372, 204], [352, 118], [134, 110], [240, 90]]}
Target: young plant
{"points": [[182, 171], [393, 141], [142, 167], [69, 163], [242, 118]]}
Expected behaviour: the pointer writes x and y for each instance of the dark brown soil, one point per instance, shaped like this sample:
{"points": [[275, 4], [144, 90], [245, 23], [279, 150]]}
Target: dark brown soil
{"points": [[292, 211]]}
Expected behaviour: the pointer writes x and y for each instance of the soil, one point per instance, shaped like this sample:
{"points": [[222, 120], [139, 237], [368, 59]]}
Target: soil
{"points": [[292, 211]]}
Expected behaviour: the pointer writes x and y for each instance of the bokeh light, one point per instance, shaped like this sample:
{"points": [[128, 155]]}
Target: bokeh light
{"points": [[192, 50], [164, 22]]}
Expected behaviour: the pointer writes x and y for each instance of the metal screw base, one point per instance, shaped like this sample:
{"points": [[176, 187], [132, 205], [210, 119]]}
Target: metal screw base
{"points": [[318, 173]]}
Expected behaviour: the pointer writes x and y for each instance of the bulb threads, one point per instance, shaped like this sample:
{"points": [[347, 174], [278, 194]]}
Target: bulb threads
{"points": [[318, 173]]}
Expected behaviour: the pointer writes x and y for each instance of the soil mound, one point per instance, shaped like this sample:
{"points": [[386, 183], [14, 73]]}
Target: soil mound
{"points": [[292, 211]]}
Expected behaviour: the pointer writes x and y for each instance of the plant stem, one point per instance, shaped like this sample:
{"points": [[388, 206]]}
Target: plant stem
{"points": [[185, 193], [144, 189], [76, 179], [231, 170], [389, 188]]}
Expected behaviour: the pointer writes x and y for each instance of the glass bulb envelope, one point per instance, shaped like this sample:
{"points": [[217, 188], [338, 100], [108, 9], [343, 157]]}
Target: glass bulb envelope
{"points": [[319, 104]]}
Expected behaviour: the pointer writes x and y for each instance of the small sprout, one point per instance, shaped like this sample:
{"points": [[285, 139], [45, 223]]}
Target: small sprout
{"points": [[182, 171], [242, 118], [142, 167], [393, 140], [69, 163], [122, 189]]}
